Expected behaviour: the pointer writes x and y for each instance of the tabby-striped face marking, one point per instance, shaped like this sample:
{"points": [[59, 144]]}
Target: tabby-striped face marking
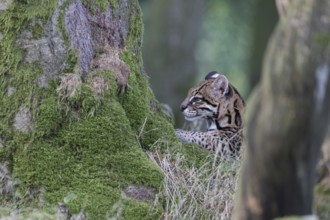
{"points": [[197, 108], [214, 99]]}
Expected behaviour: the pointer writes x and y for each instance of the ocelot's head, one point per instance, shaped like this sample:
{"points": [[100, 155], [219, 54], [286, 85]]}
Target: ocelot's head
{"points": [[214, 99]]}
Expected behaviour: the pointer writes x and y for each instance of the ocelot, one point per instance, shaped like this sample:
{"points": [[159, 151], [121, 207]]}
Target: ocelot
{"points": [[216, 100]]}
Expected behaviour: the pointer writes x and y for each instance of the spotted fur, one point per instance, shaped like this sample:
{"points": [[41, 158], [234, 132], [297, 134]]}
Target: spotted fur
{"points": [[216, 100]]}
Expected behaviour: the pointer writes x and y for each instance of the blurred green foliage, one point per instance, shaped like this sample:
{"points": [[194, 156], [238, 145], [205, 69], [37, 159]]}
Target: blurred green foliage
{"points": [[224, 44], [232, 40], [225, 40]]}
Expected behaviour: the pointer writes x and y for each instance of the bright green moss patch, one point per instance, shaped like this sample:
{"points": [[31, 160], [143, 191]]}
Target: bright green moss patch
{"points": [[49, 116], [94, 158], [83, 101], [142, 109]]}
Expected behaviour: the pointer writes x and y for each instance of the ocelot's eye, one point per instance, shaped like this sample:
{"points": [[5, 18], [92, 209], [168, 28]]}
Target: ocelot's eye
{"points": [[196, 99]]}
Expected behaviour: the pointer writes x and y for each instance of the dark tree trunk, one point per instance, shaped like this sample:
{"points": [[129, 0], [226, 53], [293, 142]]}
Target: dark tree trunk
{"points": [[287, 116], [265, 18], [170, 40]]}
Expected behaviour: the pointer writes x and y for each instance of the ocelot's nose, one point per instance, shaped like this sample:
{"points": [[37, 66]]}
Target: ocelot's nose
{"points": [[183, 107]]}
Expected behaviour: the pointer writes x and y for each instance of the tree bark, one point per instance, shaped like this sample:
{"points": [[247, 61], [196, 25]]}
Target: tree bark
{"points": [[287, 116], [66, 136]]}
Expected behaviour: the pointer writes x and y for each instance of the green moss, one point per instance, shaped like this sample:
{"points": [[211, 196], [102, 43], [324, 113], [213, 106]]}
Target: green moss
{"points": [[37, 31], [322, 200], [71, 54], [21, 78], [94, 159], [83, 101], [103, 5], [153, 128], [100, 148], [88, 144], [22, 84], [115, 7], [140, 210], [72, 61], [134, 39], [61, 22], [49, 116]]}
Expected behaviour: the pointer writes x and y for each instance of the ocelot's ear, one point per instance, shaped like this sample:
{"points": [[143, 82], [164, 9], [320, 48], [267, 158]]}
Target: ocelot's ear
{"points": [[212, 75], [219, 86]]}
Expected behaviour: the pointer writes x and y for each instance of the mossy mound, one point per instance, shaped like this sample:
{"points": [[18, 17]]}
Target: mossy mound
{"points": [[86, 148], [94, 157]]}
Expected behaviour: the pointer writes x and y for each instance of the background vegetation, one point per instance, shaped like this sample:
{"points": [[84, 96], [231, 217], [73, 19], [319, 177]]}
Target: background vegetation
{"points": [[232, 39], [229, 37]]}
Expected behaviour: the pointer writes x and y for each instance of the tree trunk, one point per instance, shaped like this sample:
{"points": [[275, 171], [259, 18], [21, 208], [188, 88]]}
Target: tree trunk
{"points": [[265, 18], [169, 49], [66, 136], [287, 116]]}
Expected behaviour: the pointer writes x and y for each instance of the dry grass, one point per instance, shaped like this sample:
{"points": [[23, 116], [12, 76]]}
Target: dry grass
{"points": [[197, 193], [69, 85], [99, 85]]}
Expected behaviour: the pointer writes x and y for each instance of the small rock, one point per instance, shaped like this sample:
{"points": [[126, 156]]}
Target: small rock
{"points": [[43, 81], [140, 192], [63, 212], [5, 4], [79, 216], [10, 90], [48, 50], [23, 120], [7, 184]]}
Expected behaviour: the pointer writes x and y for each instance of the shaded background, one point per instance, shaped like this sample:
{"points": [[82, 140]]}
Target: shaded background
{"points": [[185, 40]]}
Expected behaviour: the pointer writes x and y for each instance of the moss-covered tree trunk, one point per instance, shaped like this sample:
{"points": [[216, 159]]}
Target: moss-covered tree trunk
{"points": [[76, 108], [287, 116]]}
